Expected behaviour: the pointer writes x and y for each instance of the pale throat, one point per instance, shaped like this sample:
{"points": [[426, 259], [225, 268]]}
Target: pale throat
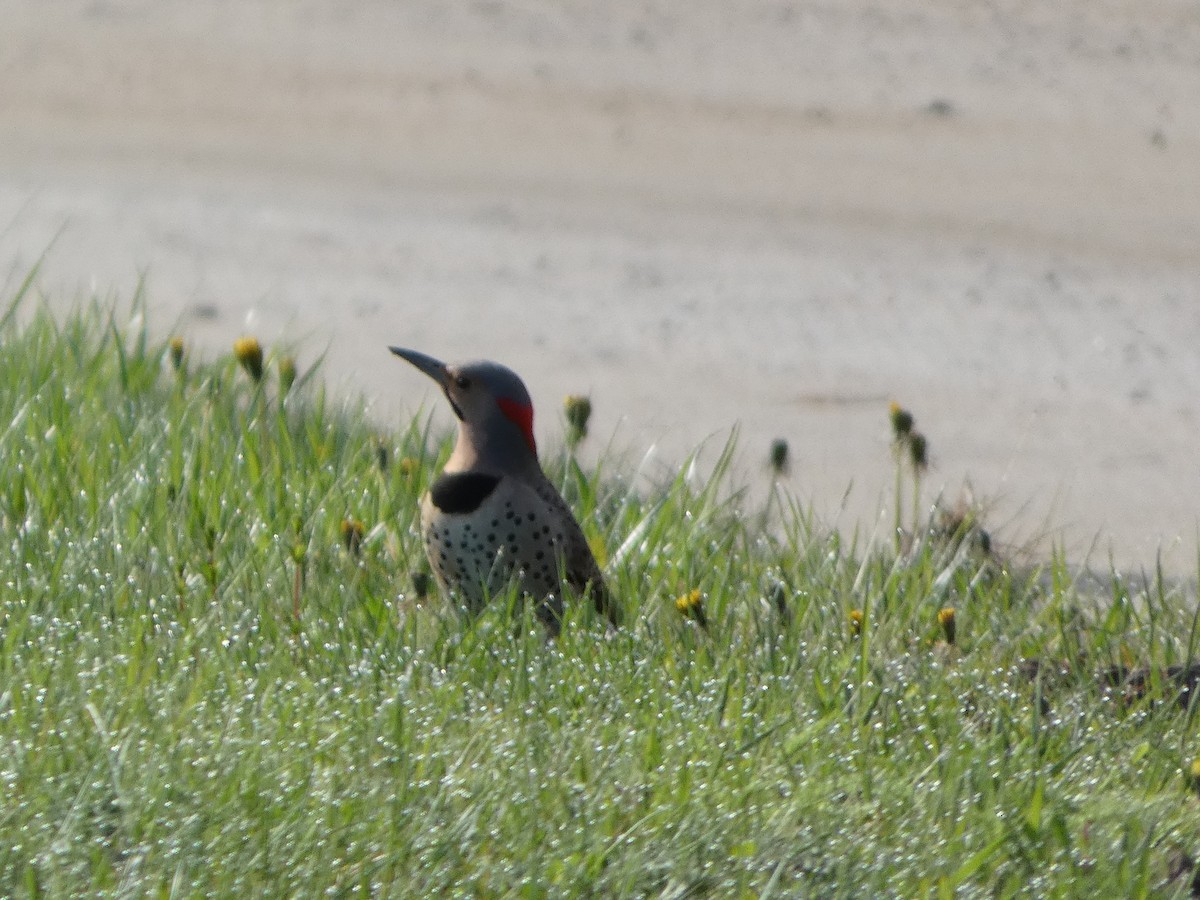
{"points": [[489, 449]]}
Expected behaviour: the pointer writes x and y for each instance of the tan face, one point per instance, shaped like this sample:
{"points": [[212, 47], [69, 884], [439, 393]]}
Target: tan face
{"points": [[466, 395]]}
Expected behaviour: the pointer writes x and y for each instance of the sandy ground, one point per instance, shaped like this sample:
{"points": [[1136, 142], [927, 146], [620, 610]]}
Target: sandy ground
{"points": [[781, 215]]}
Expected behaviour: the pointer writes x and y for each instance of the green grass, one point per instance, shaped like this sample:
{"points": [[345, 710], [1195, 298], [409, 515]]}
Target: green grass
{"points": [[205, 689]]}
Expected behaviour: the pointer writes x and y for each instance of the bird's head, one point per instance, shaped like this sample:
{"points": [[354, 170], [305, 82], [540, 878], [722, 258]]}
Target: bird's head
{"points": [[493, 408]]}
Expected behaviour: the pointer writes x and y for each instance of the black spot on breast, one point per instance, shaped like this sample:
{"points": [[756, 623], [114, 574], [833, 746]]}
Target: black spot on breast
{"points": [[462, 492]]}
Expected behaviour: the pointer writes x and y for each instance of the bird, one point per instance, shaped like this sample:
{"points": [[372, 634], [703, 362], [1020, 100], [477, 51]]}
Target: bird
{"points": [[491, 516]]}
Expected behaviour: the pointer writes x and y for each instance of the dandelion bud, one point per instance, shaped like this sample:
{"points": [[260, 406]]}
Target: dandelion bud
{"points": [[902, 422], [918, 451], [175, 347], [287, 374], [420, 582], [1192, 775], [578, 409], [249, 353], [779, 455]]}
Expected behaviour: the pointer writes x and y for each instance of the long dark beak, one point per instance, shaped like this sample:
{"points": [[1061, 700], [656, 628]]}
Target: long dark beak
{"points": [[434, 368]]}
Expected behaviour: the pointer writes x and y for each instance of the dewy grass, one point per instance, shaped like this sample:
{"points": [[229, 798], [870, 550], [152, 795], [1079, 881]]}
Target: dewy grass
{"points": [[211, 683]]}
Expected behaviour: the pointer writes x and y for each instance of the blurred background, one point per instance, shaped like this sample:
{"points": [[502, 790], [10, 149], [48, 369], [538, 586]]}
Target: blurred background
{"points": [[779, 216]]}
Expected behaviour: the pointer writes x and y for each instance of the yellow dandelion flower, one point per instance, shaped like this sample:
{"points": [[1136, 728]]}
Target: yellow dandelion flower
{"points": [[352, 535], [250, 354], [856, 622], [691, 605], [945, 618]]}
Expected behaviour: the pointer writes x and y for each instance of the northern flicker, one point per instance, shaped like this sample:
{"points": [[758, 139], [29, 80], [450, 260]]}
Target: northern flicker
{"points": [[491, 515]]}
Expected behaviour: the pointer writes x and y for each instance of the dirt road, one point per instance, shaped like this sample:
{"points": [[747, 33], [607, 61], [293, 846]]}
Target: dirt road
{"points": [[777, 215]]}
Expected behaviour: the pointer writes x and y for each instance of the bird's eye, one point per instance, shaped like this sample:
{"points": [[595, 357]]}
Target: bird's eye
{"points": [[463, 382]]}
